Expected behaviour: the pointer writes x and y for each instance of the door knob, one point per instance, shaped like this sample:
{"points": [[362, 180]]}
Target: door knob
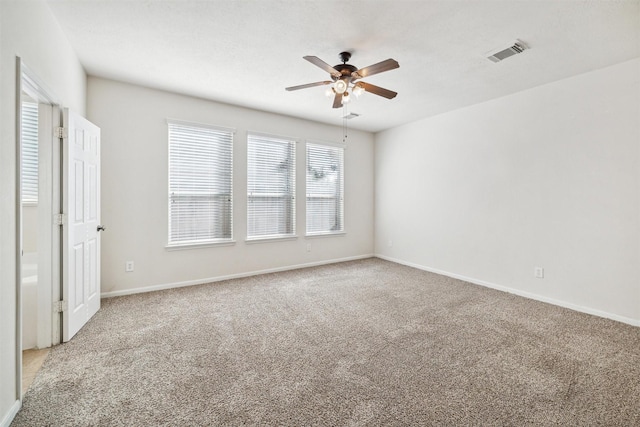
{"points": [[101, 228]]}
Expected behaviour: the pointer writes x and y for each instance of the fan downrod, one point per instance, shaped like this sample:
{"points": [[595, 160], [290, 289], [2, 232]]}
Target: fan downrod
{"points": [[345, 56]]}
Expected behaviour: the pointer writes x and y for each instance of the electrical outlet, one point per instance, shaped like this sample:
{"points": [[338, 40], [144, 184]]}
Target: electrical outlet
{"points": [[390, 243], [308, 247], [538, 272], [128, 266]]}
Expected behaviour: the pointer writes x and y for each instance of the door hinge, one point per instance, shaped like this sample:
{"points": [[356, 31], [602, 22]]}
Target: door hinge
{"points": [[59, 219], [60, 132], [60, 306]]}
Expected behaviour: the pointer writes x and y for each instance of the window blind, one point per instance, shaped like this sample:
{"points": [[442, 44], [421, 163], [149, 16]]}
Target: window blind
{"points": [[325, 189], [200, 184], [29, 138], [270, 187]]}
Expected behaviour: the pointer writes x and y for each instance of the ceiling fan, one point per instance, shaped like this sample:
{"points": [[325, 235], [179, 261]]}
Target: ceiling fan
{"points": [[345, 78]]}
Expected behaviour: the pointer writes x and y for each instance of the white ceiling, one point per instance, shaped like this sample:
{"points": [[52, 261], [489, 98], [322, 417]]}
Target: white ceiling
{"points": [[246, 52]]}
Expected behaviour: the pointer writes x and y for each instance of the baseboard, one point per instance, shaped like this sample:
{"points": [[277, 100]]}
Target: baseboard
{"points": [[571, 306], [11, 414], [228, 277]]}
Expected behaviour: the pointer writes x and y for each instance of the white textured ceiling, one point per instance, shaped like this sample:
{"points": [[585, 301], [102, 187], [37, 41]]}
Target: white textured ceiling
{"points": [[246, 52]]}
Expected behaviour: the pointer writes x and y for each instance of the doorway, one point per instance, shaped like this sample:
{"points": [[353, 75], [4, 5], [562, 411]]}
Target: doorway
{"points": [[30, 181], [58, 219], [38, 269]]}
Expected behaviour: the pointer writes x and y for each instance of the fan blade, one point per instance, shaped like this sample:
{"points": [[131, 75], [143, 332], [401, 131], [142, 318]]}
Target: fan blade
{"points": [[377, 90], [320, 63], [337, 101], [389, 64], [326, 82]]}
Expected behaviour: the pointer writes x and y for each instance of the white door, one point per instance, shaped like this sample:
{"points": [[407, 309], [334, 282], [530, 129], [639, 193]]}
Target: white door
{"points": [[81, 237]]}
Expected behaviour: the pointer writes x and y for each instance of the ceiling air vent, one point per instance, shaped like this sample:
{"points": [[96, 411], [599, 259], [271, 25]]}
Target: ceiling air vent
{"points": [[518, 47]]}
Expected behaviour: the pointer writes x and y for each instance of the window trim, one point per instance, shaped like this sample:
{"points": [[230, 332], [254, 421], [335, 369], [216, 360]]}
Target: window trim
{"points": [[179, 122], [268, 239], [329, 233], [325, 234], [197, 244], [333, 144], [275, 237]]}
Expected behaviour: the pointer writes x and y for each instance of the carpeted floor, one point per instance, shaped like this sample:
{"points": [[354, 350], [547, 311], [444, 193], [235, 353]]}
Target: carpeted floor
{"points": [[359, 343]]}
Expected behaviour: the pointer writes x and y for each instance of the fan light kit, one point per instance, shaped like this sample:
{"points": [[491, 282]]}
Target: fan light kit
{"points": [[340, 86], [345, 79]]}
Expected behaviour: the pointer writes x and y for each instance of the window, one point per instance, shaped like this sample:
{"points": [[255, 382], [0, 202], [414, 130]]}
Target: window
{"points": [[325, 189], [200, 184], [271, 187], [29, 138]]}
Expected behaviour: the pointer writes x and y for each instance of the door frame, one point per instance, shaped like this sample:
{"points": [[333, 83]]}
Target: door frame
{"points": [[49, 202]]}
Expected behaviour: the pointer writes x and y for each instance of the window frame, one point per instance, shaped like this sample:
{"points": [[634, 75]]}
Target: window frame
{"points": [[208, 242], [341, 148], [293, 144]]}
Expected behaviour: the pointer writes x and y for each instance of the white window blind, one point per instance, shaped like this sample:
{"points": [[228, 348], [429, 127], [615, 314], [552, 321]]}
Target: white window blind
{"points": [[271, 187], [200, 184], [29, 138], [325, 189]]}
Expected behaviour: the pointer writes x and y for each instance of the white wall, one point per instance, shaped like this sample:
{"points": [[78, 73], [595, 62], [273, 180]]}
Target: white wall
{"points": [[546, 177], [135, 199], [27, 29]]}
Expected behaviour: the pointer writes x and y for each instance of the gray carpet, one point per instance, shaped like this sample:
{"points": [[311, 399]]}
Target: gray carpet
{"points": [[359, 343]]}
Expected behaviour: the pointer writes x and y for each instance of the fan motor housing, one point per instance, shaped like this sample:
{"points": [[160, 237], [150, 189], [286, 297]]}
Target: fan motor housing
{"points": [[344, 69]]}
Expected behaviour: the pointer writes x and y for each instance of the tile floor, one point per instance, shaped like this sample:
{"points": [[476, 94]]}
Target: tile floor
{"points": [[32, 360]]}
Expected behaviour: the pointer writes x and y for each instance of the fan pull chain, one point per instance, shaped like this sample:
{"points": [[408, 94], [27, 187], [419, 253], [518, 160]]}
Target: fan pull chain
{"points": [[345, 126]]}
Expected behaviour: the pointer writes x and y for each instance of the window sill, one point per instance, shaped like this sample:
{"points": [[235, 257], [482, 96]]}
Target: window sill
{"points": [[329, 234], [186, 246], [270, 239]]}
